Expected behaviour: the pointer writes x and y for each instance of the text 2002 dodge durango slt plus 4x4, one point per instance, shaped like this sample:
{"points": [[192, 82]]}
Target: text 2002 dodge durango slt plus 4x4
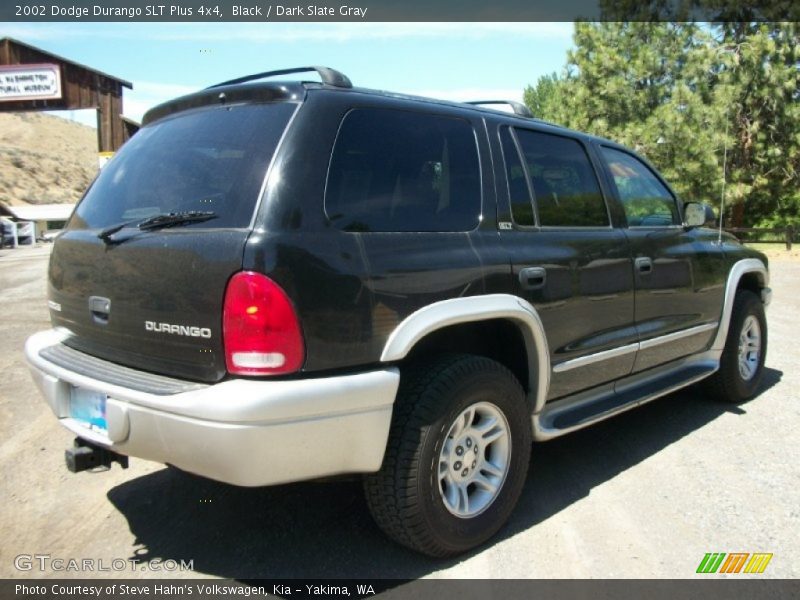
{"points": [[280, 281]]}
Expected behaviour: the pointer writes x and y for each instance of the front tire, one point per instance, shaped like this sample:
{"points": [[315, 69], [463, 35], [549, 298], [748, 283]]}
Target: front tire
{"points": [[742, 364], [457, 455]]}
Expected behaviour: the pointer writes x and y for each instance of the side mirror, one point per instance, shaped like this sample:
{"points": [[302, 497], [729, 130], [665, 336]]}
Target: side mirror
{"points": [[696, 214]]}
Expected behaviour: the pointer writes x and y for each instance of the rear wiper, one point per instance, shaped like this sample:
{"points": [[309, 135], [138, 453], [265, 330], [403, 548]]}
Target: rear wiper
{"points": [[158, 221]]}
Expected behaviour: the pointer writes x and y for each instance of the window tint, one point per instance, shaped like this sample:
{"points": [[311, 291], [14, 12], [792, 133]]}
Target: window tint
{"points": [[208, 160], [518, 192], [565, 186], [395, 170], [646, 201]]}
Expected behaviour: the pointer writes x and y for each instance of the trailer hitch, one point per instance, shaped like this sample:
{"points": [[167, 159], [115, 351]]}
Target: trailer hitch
{"points": [[85, 455]]}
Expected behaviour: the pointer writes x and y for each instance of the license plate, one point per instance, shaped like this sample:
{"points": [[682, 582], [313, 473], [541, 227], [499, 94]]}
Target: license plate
{"points": [[88, 407]]}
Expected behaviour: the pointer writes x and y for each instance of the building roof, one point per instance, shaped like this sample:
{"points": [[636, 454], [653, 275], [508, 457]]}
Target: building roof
{"points": [[57, 58], [41, 212]]}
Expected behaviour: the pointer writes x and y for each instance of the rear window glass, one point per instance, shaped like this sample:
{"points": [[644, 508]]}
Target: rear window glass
{"points": [[395, 170], [209, 160]]}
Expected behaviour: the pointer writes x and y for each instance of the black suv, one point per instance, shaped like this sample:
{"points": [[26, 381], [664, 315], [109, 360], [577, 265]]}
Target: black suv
{"points": [[273, 282]]}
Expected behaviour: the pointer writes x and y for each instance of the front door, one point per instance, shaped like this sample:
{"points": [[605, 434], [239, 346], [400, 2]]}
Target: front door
{"points": [[678, 274], [567, 259]]}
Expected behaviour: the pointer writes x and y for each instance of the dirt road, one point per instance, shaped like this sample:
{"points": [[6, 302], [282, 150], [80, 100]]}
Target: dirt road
{"points": [[644, 495]]}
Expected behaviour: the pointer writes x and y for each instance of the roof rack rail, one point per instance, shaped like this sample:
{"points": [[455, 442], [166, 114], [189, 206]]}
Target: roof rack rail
{"points": [[329, 76], [519, 108]]}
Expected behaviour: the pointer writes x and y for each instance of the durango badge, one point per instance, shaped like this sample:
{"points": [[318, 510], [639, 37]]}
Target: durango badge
{"points": [[187, 330]]}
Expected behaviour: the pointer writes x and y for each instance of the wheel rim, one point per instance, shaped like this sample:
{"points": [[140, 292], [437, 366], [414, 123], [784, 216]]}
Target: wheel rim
{"points": [[474, 460], [749, 348]]}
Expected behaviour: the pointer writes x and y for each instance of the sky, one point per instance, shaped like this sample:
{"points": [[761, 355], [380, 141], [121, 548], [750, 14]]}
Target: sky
{"points": [[454, 61]]}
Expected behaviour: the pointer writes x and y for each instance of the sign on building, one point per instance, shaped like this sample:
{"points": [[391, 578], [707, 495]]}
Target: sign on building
{"points": [[30, 82]]}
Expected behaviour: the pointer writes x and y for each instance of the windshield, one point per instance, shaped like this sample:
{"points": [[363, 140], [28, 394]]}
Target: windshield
{"points": [[211, 160]]}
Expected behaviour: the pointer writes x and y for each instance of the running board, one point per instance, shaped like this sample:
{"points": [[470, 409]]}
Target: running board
{"points": [[584, 409]]}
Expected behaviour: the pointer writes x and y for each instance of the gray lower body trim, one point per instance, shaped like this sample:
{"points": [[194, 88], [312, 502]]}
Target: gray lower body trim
{"points": [[678, 335], [611, 399], [242, 431], [739, 269], [590, 359], [583, 361]]}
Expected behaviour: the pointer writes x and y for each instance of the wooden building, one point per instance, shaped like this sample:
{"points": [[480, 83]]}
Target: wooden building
{"points": [[32, 79]]}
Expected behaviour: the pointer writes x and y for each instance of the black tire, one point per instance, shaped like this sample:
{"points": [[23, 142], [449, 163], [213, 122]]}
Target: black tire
{"points": [[728, 384], [404, 497]]}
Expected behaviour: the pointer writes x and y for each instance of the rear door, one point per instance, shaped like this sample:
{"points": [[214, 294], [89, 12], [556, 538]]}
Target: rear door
{"points": [[679, 275], [568, 260], [153, 299]]}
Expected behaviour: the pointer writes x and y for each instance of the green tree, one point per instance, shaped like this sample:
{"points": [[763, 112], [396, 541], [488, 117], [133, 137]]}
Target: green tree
{"points": [[759, 89], [545, 97], [682, 95], [649, 86]]}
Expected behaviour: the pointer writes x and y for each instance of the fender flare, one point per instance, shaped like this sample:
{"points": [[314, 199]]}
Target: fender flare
{"points": [[739, 269], [471, 309]]}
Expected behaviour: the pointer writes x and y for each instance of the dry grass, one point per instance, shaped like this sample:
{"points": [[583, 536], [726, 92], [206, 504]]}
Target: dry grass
{"points": [[44, 159]]}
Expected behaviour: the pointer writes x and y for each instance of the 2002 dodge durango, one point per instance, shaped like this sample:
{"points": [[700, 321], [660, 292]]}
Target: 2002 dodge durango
{"points": [[276, 281]]}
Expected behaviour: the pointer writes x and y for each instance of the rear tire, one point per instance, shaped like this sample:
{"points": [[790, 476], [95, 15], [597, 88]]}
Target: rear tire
{"points": [[457, 455], [742, 364]]}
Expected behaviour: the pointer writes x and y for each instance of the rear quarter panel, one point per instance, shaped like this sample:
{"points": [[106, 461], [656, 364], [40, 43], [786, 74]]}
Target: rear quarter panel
{"points": [[352, 289]]}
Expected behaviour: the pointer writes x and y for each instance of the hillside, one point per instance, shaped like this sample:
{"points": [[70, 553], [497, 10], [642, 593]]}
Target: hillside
{"points": [[44, 159]]}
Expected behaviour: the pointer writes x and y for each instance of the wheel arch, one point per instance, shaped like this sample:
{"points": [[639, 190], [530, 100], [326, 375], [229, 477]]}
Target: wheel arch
{"points": [[750, 274], [427, 321]]}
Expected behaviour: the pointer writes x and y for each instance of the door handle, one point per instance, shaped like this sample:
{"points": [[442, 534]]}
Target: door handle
{"points": [[644, 264], [532, 278]]}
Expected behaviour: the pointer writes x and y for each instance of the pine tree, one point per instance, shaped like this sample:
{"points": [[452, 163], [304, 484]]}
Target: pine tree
{"points": [[761, 88], [684, 95], [545, 97]]}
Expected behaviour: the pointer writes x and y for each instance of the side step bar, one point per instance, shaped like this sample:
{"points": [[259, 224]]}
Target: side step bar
{"points": [[584, 409], [84, 456]]}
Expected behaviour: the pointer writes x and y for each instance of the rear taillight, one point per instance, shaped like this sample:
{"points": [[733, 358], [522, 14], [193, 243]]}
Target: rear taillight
{"points": [[261, 332]]}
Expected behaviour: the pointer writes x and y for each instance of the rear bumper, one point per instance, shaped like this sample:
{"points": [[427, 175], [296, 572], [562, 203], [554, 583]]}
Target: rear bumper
{"points": [[241, 431]]}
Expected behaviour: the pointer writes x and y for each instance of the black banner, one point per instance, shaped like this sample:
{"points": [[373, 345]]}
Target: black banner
{"points": [[423, 589], [262, 11]]}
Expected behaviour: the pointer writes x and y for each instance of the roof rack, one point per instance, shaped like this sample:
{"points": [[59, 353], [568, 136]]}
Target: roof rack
{"points": [[329, 76], [519, 108]]}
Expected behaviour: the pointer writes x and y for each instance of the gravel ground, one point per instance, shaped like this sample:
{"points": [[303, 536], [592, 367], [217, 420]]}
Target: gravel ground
{"points": [[644, 495]]}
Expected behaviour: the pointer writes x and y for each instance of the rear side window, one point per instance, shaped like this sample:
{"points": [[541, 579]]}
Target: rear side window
{"points": [[518, 192], [395, 170], [565, 186], [646, 201], [208, 160]]}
